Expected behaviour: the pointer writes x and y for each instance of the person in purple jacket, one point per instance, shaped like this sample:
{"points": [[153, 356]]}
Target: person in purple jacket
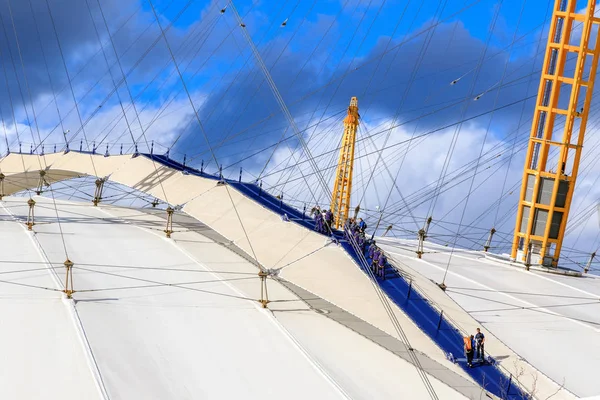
{"points": [[375, 263], [382, 262]]}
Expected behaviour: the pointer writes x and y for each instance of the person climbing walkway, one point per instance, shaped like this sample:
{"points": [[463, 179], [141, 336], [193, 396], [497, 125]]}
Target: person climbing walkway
{"points": [[468, 345], [480, 342]]}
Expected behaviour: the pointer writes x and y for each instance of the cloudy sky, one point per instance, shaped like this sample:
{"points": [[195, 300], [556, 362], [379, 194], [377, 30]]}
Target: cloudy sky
{"points": [[102, 71]]}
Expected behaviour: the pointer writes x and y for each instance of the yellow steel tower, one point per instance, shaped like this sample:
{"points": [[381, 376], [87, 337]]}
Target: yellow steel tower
{"points": [[342, 188], [547, 187]]}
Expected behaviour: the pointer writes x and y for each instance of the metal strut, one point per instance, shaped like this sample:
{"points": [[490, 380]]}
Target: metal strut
{"points": [[69, 279], [589, 264], [30, 221], [41, 183], [169, 229], [264, 295], [422, 236], [2, 176], [488, 244], [98, 194]]}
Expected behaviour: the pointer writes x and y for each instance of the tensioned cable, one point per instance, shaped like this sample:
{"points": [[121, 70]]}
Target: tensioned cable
{"points": [[322, 68], [70, 82], [132, 100], [364, 14], [200, 122], [35, 120], [486, 132], [251, 98], [281, 102], [420, 58]]}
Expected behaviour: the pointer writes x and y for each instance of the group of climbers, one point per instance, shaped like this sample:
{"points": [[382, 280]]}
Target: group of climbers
{"points": [[323, 220], [354, 232], [378, 259]]}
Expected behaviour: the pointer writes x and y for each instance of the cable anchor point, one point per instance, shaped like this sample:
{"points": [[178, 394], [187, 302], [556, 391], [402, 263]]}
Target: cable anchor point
{"points": [[98, 193], [488, 244], [69, 279], [169, 229], [264, 295], [30, 216], [41, 183]]}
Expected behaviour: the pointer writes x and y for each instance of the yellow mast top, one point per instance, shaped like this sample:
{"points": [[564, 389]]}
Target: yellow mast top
{"points": [[342, 187]]}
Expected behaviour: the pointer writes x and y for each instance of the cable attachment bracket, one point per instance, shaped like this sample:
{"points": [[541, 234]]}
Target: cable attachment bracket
{"points": [[41, 183], [99, 188], [488, 244], [169, 229], [69, 279], [264, 295], [589, 264], [422, 236], [30, 216]]}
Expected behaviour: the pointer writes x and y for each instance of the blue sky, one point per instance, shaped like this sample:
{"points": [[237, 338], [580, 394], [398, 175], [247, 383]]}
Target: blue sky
{"points": [[398, 57]]}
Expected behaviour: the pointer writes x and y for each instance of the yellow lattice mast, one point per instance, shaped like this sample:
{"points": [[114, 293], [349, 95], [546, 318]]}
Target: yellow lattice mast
{"points": [[547, 188], [342, 187]]}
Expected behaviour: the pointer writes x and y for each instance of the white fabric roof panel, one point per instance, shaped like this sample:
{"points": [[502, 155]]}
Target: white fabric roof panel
{"points": [[156, 341]]}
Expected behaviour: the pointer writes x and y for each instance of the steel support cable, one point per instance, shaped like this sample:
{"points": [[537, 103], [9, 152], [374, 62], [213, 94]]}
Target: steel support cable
{"points": [[323, 66], [39, 37], [163, 107], [35, 120], [390, 312], [382, 3], [463, 111], [218, 101], [428, 132], [282, 104], [102, 76], [109, 68], [411, 80], [431, 131], [274, 144], [164, 284], [251, 98], [416, 67], [306, 96], [318, 144], [519, 180], [70, 82], [133, 67], [273, 66], [158, 285], [158, 90], [394, 181], [90, 59], [218, 47], [466, 201], [417, 123], [200, 122], [132, 99], [539, 44], [255, 75], [583, 159], [15, 120]]}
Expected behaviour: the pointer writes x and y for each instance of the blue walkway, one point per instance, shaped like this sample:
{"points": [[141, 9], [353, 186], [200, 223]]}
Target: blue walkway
{"points": [[427, 318]]}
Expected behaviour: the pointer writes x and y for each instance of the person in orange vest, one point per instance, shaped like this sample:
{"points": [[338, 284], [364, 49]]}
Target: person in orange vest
{"points": [[468, 344]]}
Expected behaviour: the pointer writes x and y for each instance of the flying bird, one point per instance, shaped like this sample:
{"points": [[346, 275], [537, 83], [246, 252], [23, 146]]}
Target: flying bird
{"points": [[284, 23]]}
